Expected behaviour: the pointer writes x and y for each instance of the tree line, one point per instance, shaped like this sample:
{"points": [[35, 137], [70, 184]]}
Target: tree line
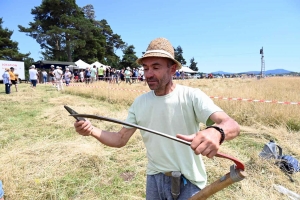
{"points": [[67, 32]]}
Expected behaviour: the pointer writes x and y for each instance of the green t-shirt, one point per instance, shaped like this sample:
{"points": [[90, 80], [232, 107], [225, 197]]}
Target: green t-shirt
{"points": [[178, 112], [100, 71], [127, 73], [93, 72]]}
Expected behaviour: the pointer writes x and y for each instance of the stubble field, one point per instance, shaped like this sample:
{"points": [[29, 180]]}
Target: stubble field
{"points": [[42, 157]]}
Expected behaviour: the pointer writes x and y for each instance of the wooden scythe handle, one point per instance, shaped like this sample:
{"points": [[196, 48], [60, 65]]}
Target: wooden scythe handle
{"points": [[221, 183]]}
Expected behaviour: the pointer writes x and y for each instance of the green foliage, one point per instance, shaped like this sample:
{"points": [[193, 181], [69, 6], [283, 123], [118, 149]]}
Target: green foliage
{"points": [[67, 32], [178, 55], [9, 49], [193, 65], [129, 58], [57, 26]]}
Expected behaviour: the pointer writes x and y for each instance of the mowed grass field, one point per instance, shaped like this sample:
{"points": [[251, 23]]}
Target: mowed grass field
{"points": [[42, 157]]}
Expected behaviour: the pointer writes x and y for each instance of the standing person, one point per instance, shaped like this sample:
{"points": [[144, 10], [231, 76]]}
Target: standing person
{"points": [[81, 75], [107, 73], [52, 76], [87, 75], [58, 73], [33, 76], [93, 74], [45, 76], [170, 108], [122, 75], [68, 76], [134, 76], [76, 75], [100, 73], [6, 80], [112, 75], [127, 75], [117, 75], [13, 78]]}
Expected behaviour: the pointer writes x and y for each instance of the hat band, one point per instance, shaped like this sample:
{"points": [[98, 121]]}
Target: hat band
{"points": [[158, 51]]}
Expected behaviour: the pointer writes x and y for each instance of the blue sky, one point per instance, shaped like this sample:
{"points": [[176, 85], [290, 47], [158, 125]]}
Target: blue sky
{"points": [[220, 35]]}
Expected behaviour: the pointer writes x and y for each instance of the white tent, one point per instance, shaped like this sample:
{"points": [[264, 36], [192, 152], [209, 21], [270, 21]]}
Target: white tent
{"points": [[187, 70], [98, 65], [81, 64]]}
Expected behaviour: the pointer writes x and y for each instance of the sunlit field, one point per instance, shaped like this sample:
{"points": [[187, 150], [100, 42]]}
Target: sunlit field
{"points": [[42, 157]]}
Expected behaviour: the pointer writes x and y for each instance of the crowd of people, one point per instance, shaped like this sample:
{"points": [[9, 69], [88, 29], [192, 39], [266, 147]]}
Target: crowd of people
{"points": [[90, 75]]}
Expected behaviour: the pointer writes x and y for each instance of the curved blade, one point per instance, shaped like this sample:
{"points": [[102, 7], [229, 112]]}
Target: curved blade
{"points": [[239, 165]]}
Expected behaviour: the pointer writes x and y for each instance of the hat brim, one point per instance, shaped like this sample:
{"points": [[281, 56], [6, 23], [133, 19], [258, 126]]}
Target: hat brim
{"points": [[155, 54]]}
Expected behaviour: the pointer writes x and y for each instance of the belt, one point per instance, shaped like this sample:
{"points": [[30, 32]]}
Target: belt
{"points": [[168, 173]]}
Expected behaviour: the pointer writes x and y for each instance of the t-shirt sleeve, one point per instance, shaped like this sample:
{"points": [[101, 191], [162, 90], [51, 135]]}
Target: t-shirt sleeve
{"points": [[204, 107], [131, 116]]}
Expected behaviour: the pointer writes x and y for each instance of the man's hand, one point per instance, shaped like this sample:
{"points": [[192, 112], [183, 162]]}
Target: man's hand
{"points": [[84, 128], [205, 142]]}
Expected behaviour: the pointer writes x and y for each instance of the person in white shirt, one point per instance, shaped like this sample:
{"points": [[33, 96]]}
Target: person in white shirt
{"points": [[58, 73], [6, 80], [68, 76], [45, 76], [33, 76]]}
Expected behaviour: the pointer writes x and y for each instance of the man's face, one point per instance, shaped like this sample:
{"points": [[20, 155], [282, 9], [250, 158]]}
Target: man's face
{"points": [[157, 73]]}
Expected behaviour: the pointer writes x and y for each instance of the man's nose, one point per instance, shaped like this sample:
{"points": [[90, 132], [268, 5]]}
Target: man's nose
{"points": [[149, 73]]}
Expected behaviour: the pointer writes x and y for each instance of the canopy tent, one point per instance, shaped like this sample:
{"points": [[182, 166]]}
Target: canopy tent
{"points": [[187, 70], [81, 64], [98, 65], [45, 64]]}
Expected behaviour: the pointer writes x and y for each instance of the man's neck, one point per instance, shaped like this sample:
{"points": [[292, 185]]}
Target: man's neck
{"points": [[170, 87]]}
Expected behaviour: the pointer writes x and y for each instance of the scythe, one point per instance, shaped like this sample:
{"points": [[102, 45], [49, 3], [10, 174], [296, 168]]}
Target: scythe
{"points": [[236, 173]]}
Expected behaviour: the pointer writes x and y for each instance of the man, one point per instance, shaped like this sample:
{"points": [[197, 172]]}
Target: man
{"points": [[127, 74], [58, 74], [33, 76], [170, 108], [6, 80], [87, 75], [13, 79], [100, 73], [93, 74], [134, 76], [68, 76], [52, 76]]}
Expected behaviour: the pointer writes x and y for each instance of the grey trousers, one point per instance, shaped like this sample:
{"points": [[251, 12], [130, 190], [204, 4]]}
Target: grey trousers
{"points": [[159, 188]]}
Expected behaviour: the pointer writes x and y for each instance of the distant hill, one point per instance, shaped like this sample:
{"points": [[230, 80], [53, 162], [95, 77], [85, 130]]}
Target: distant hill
{"points": [[268, 72], [221, 72]]}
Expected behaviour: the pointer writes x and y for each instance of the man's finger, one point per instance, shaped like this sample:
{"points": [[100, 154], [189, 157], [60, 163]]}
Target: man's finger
{"points": [[188, 138]]}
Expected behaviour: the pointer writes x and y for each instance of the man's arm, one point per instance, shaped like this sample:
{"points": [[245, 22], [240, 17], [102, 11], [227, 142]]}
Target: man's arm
{"points": [[112, 139], [207, 142]]}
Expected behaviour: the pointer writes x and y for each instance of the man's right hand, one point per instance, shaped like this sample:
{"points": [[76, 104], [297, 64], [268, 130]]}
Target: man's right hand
{"points": [[84, 128]]}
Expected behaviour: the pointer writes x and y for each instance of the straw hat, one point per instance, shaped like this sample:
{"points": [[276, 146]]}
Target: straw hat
{"points": [[6, 69], [160, 47]]}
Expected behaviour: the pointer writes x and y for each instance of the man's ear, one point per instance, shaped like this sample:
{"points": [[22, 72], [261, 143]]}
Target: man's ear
{"points": [[173, 68]]}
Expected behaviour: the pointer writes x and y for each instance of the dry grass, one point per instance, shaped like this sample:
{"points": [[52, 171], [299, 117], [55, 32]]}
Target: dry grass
{"points": [[43, 158]]}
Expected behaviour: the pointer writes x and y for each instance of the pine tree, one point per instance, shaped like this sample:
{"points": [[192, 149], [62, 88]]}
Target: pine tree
{"points": [[9, 49], [178, 55], [129, 57], [57, 26], [193, 65]]}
